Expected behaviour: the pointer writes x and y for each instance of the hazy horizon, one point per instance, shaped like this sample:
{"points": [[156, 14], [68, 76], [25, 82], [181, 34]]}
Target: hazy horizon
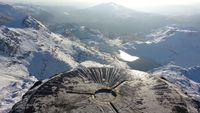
{"points": [[134, 4], [164, 7]]}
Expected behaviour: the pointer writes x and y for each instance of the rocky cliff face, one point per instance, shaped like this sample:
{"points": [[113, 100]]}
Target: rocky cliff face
{"points": [[105, 90]]}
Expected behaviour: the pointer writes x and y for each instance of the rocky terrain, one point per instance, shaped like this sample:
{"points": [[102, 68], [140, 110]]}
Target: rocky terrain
{"points": [[34, 53], [47, 60], [105, 90]]}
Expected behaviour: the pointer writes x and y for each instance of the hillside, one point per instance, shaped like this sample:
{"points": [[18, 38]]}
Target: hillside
{"points": [[104, 58], [114, 19], [186, 79], [34, 53], [169, 44]]}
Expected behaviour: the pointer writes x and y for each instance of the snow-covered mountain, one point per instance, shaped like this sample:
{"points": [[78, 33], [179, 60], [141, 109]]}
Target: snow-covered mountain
{"points": [[114, 19], [31, 51], [36, 11], [12, 15], [170, 44], [177, 49], [187, 79], [90, 37], [97, 40], [34, 53]]}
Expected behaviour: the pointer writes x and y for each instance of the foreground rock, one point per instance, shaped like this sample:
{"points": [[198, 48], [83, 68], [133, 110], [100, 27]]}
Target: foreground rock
{"points": [[104, 90]]}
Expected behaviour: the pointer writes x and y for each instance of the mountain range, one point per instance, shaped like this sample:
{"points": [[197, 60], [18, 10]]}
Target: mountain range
{"points": [[169, 44], [34, 47], [35, 51]]}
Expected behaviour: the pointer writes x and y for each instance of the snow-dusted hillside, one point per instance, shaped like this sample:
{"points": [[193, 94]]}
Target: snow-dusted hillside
{"points": [[34, 53], [12, 15], [98, 41], [95, 39], [187, 79], [178, 46], [172, 43], [89, 37]]}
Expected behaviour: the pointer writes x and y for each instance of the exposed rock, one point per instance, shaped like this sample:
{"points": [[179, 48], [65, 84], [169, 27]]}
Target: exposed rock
{"points": [[104, 90], [31, 22], [9, 42]]}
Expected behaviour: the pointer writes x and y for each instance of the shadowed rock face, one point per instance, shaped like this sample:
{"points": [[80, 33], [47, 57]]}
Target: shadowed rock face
{"points": [[104, 90]]}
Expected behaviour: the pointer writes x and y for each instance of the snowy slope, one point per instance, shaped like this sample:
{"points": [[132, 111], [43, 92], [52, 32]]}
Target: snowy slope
{"points": [[13, 92], [37, 44], [85, 35], [12, 15], [34, 53], [98, 41], [186, 79], [171, 43], [36, 11]]}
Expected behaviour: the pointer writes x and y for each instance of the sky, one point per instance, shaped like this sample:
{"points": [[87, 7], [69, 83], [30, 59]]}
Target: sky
{"points": [[127, 3]]}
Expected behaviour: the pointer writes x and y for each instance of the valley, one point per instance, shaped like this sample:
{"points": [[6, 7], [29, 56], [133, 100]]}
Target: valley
{"points": [[37, 44]]}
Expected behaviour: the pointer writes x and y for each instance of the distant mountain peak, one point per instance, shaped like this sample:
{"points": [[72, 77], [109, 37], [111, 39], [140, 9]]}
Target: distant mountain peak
{"points": [[1, 3], [31, 22], [110, 5]]}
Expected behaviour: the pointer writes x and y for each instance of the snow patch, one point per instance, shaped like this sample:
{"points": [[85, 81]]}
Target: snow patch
{"points": [[66, 13], [127, 57]]}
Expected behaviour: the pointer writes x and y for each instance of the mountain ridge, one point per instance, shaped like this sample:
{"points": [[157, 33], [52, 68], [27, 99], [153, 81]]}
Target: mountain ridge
{"points": [[39, 53], [173, 44]]}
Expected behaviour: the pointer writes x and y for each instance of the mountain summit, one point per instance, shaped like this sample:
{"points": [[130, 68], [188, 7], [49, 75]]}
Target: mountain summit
{"points": [[117, 19], [110, 6], [31, 22]]}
